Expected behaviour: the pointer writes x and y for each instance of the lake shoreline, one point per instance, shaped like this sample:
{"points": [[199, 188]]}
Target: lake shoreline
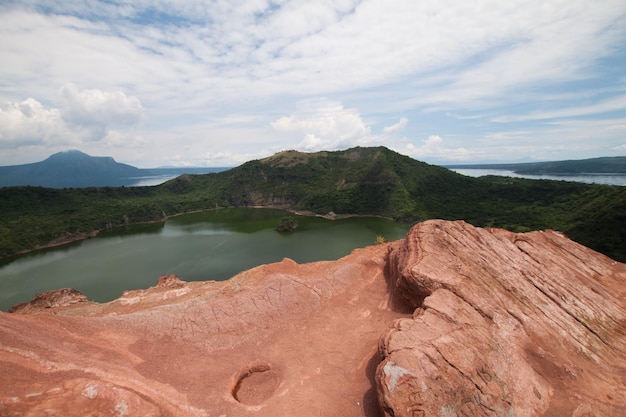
{"points": [[69, 238], [208, 245]]}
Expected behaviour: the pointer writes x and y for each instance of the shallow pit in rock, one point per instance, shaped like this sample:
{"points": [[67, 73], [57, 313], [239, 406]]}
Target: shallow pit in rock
{"points": [[256, 384]]}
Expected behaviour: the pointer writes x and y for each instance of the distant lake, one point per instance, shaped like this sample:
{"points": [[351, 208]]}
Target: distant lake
{"points": [[212, 245], [161, 175], [610, 179], [150, 180]]}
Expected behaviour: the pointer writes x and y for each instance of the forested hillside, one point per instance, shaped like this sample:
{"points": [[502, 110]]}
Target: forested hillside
{"points": [[371, 181]]}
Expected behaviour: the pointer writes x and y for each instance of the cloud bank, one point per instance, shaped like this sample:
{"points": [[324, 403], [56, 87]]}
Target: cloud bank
{"points": [[388, 73], [325, 125], [100, 108], [84, 115]]}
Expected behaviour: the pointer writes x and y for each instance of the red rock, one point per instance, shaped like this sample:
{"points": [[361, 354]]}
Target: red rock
{"points": [[49, 299], [504, 324], [278, 340]]}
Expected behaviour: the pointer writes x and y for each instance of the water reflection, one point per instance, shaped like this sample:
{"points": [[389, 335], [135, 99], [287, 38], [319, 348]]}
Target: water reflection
{"points": [[609, 179], [210, 245]]}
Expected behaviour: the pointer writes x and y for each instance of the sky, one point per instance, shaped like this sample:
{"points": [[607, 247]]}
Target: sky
{"points": [[220, 82]]}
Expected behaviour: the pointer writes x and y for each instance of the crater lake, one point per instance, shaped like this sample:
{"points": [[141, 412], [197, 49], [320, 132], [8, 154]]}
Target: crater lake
{"points": [[210, 245]]}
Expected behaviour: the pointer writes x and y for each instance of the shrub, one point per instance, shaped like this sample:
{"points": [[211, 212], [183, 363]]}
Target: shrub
{"points": [[287, 224]]}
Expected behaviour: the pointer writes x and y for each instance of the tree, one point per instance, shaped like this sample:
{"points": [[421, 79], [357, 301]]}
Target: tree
{"points": [[287, 224]]}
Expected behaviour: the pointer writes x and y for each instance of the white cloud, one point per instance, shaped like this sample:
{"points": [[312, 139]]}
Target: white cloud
{"points": [[396, 127], [194, 63], [516, 47], [617, 103], [229, 159], [84, 116], [46, 51], [261, 48], [325, 125], [100, 108], [117, 139], [433, 148], [28, 123]]}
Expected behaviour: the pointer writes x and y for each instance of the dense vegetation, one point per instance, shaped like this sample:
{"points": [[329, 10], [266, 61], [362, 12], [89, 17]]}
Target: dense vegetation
{"points": [[373, 181]]}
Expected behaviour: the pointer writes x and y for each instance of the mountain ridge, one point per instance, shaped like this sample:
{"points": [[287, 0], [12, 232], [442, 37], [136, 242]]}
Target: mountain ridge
{"points": [[76, 169], [70, 168], [357, 181]]}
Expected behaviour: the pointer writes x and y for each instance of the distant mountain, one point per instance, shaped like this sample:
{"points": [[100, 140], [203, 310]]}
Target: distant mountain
{"points": [[604, 165], [75, 169]]}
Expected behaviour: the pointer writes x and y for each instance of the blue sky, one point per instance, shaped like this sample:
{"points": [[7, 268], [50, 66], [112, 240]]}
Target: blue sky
{"points": [[217, 83]]}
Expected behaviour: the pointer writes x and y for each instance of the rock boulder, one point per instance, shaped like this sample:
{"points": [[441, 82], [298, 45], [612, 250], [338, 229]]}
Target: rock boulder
{"points": [[505, 325]]}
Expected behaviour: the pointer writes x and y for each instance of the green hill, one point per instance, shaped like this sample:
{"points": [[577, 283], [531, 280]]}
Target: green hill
{"points": [[372, 181]]}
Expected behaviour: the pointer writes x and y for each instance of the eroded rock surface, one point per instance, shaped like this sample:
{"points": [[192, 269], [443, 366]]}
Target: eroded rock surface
{"points": [[506, 325], [50, 299], [278, 340], [467, 322]]}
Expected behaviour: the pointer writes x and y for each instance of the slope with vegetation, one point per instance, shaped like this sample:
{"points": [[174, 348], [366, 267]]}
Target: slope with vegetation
{"points": [[369, 181]]}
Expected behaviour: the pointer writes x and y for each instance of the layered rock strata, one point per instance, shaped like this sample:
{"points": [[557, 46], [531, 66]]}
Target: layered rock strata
{"points": [[453, 320], [505, 325]]}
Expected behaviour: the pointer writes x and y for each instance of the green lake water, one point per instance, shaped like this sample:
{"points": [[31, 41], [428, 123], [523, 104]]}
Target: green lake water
{"points": [[212, 245]]}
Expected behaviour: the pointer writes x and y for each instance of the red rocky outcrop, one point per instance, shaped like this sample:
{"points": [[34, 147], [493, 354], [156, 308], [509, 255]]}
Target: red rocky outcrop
{"points": [[50, 299], [473, 322], [278, 340], [505, 325]]}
